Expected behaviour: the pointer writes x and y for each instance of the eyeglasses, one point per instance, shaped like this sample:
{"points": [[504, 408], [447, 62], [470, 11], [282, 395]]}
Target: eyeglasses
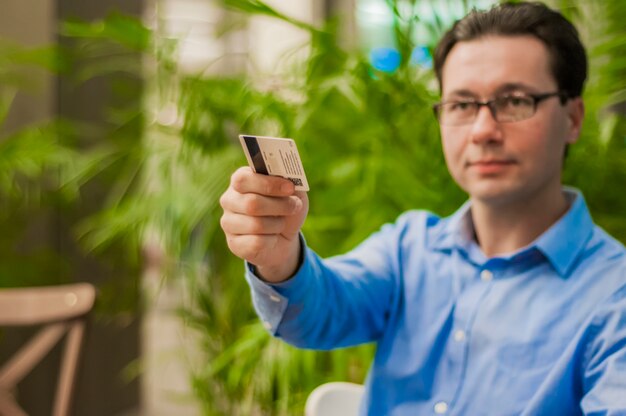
{"points": [[504, 109]]}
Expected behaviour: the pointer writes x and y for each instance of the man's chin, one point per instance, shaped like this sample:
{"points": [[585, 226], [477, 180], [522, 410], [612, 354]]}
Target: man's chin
{"points": [[494, 194]]}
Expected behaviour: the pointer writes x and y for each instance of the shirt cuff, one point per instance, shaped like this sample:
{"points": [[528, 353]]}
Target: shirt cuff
{"points": [[270, 300]]}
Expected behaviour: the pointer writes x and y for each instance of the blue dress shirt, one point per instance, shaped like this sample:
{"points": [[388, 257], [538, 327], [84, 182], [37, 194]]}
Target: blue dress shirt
{"points": [[541, 331]]}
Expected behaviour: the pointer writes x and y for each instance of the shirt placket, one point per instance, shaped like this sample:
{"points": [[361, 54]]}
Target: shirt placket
{"points": [[467, 306]]}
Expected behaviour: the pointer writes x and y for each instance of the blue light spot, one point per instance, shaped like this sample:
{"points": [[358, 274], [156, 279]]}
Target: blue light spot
{"points": [[421, 56], [385, 59]]}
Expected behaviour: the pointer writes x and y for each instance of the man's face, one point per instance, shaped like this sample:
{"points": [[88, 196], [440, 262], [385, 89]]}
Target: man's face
{"points": [[499, 163]]}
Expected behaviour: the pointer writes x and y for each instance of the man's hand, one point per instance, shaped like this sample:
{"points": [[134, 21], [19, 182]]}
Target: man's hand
{"points": [[262, 220]]}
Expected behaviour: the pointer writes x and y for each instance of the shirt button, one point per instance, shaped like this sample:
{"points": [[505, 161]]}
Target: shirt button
{"points": [[441, 408], [274, 298], [486, 275], [459, 335]]}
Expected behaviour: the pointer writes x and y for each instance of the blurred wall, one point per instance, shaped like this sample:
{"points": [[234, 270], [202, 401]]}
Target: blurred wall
{"points": [[272, 43], [30, 23]]}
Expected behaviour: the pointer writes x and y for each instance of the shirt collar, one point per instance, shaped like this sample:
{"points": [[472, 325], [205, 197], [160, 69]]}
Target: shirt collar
{"points": [[566, 238], [457, 231], [560, 244]]}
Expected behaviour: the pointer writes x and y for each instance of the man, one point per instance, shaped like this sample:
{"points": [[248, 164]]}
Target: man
{"points": [[516, 304]]}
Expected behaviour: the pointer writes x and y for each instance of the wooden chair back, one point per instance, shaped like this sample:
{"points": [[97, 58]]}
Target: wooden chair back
{"points": [[59, 310]]}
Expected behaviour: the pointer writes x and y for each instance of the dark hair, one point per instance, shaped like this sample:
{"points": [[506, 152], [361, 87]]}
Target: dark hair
{"points": [[568, 60]]}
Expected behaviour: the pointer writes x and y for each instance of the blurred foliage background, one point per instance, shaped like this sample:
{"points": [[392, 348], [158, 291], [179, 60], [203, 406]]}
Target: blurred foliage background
{"points": [[367, 137]]}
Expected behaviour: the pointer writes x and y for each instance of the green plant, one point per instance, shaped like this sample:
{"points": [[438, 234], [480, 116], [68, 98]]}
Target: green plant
{"points": [[597, 163], [26, 153], [371, 149], [370, 146], [383, 121]]}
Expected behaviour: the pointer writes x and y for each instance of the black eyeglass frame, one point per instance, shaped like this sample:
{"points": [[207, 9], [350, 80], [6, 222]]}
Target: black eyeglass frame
{"points": [[490, 104]]}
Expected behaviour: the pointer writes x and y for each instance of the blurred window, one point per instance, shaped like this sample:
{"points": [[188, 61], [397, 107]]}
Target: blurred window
{"points": [[375, 22], [209, 38]]}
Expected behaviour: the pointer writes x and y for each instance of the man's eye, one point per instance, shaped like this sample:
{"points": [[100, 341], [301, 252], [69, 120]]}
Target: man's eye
{"points": [[461, 106], [513, 101]]}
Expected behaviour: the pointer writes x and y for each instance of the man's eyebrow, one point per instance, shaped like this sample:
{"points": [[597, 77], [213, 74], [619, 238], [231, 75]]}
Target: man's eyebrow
{"points": [[462, 93], [503, 89], [513, 86]]}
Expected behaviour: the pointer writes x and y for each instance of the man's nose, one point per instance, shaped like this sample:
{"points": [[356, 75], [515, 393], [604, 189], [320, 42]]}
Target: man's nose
{"points": [[485, 127]]}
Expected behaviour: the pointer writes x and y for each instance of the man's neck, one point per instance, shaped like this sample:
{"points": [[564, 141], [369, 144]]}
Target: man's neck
{"points": [[507, 227]]}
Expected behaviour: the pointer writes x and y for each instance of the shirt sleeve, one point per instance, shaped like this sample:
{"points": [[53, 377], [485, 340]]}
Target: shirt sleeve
{"points": [[337, 302], [604, 376]]}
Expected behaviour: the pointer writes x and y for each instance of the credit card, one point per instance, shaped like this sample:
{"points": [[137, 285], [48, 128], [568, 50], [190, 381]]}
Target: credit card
{"points": [[276, 157]]}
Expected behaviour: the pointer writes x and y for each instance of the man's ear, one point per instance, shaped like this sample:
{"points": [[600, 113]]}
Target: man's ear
{"points": [[575, 114]]}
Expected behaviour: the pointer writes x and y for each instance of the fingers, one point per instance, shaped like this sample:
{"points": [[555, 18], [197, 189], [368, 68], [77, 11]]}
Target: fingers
{"points": [[238, 224], [262, 219], [260, 195], [244, 181], [259, 205]]}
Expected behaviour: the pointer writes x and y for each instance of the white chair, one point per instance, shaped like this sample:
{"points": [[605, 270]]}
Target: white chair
{"points": [[334, 399]]}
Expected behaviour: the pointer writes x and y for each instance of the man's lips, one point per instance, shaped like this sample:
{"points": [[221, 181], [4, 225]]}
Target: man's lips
{"points": [[490, 165]]}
